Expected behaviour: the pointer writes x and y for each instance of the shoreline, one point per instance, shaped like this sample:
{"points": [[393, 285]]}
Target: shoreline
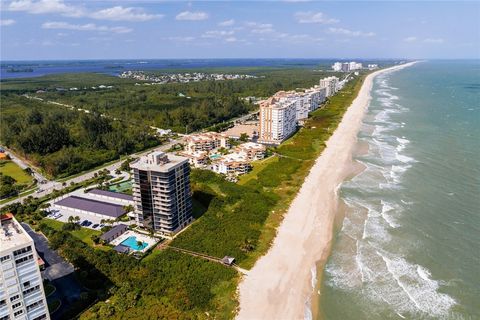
{"points": [[354, 169], [280, 284]]}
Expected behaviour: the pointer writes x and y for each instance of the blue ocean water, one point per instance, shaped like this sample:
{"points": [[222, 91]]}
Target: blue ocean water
{"points": [[114, 67], [409, 246]]}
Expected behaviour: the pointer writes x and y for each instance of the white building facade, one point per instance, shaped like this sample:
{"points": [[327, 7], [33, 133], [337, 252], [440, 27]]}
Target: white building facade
{"points": [[278, 120], [330, 85], [22, 295]]}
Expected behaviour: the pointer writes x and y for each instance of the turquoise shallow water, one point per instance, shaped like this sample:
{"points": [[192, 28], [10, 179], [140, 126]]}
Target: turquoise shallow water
{"points": [[409, 247], [132, 242]]}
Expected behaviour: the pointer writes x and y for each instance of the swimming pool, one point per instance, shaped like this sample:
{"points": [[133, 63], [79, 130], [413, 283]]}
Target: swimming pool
{"points": [[215, 156], [131, 242]]}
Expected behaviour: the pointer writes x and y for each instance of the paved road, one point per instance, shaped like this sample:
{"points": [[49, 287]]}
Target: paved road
{"points": [[23, 164], [45, 189], [58, 271], [56, 266]]}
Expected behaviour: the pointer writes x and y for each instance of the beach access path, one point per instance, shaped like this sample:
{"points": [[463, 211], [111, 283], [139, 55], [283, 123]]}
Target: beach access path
{"points": [[280, 285]]}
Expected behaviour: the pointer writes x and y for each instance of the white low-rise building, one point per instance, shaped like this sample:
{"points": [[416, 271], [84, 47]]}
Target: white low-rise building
{"points": [[252, 151], [206, 142], [198, 159], [232, 164]]}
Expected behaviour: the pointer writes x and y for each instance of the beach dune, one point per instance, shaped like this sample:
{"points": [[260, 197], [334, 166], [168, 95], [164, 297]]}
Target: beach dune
{"points": [[281, 283]]}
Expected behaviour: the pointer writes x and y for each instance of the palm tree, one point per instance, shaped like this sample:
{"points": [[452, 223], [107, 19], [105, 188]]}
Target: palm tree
{"points": [[139, 244], [71, 219], [128, 208]]}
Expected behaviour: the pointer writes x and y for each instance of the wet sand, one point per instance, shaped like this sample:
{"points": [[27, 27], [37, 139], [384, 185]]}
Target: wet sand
{"points": [[281, 283]]}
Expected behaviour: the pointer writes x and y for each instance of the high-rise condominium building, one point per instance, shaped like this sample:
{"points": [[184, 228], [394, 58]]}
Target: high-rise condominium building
{"points": [[21, 287], [278, 120], [330, 84], [161, 191]]}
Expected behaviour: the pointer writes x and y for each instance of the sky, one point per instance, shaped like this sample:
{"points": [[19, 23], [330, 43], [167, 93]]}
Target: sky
{"points": [[61, 29]]}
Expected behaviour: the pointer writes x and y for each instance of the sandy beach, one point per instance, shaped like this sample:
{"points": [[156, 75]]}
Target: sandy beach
{"points": [[281, 283]]}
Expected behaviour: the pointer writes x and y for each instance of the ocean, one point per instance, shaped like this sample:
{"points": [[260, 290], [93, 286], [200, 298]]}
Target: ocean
{"points": [[409, 245]]}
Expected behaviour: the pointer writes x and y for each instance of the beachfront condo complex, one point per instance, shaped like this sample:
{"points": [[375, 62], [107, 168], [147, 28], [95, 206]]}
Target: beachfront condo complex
{"points": [[330, 84], [161, 192], [278, 120], [21, 287]]}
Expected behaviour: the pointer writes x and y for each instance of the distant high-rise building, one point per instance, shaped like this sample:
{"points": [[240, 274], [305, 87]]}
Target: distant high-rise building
{"points": [[21, 286], [161, 191], [330, 84], [337, 66]]}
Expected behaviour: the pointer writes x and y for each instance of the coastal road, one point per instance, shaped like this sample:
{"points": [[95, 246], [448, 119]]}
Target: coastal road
{"points": [[23, 164], [50, 186]]}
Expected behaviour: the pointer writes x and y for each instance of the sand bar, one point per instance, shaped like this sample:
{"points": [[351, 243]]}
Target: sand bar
{"points": [[280, 283]]}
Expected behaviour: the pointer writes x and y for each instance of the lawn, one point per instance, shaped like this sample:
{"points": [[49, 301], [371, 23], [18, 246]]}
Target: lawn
{"points": [[83, 234], [10, 168], [258, 166]]}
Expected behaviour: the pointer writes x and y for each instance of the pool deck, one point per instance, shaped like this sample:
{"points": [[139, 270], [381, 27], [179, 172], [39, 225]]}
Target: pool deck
{"points": [[140, 237]]}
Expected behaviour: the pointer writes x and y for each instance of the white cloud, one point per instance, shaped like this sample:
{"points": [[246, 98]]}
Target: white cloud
{"points": [[426, 40], [297, 38], [434, 40], [180, 39], [6, 22], [410, 39], [84, 27], [192, 16], [46, 6], [227, 23], [217, 34], [314, 17], [350, 33], [231, 39], [260, 28], [117, 13], [120, 13]]}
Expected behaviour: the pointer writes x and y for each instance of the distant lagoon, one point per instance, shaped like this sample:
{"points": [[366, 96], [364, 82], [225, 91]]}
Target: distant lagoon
{"points": [[29, 69]]}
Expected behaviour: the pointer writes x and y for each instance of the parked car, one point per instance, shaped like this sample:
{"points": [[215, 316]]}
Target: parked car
{"points": [[95, 226]]}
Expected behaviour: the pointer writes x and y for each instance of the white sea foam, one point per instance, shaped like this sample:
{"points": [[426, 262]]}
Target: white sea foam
{"points": [[418, 286], [387, 214], [405, 159], [367, 265], [313, 272]]}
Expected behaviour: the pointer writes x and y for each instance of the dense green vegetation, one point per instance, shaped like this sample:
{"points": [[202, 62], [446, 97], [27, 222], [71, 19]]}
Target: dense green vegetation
{"points": [[232, 219], [183, 107], [64, 142], [241, 220]]}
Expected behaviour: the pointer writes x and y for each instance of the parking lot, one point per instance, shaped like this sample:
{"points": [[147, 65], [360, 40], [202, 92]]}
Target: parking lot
{"points": [[62, 215], [87, 220]]}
